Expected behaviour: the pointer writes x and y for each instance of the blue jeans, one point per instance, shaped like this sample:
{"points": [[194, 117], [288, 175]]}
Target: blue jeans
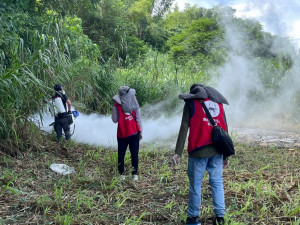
{"points": [[196, 169]]}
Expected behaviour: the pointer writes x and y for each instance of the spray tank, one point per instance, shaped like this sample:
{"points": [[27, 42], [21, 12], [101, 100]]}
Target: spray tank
{"points": [[59, 106]]}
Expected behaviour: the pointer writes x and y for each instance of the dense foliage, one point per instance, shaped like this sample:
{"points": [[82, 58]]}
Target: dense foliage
{"points": [[93, 47]]}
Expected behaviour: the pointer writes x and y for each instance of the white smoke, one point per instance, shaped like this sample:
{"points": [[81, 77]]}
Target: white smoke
{"points": [[241, 81], [238, 79], [160, 129], [99, 130], [90, 129]]}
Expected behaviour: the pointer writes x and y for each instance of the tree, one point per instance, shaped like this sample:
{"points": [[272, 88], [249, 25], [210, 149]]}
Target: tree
{"points": [[200, 40], [160, 7]]}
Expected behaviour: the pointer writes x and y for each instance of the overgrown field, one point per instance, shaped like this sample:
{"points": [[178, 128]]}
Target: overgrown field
{"points": [[261, 186]]}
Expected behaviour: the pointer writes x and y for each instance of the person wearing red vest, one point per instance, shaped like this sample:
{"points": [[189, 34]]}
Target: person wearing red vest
{"points": [[126, 113], [203, 156]]}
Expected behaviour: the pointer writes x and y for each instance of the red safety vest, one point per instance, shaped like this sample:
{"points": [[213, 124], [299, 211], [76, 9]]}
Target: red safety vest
{"points": [[127, 124], [200, 127]]}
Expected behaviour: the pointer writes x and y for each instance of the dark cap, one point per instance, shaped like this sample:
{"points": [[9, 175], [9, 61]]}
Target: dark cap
{"points": [[58, 87]]}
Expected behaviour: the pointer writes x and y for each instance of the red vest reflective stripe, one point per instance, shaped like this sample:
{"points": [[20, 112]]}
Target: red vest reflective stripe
{"points": [[200, 127], [127, 125]]}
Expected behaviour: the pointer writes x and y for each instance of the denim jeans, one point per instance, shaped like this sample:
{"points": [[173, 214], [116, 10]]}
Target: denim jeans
{"points": [[196, 169]]}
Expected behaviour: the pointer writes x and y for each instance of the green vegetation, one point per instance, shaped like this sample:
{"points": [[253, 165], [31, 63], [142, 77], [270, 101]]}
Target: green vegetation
{"points": [[261, 186], [93, 47]]}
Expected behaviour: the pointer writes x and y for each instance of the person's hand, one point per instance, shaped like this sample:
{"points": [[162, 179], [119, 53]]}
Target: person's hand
{"points": [[225, 163], [69, 112], [176, 159], [141, 136]]}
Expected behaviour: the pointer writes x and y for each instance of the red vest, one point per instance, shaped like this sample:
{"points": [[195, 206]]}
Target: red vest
{"points": [[200, 127], [127, 124]]}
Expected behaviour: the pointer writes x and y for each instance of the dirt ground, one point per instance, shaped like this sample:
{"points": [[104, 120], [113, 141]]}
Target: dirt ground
{"points": [[268, 137]]}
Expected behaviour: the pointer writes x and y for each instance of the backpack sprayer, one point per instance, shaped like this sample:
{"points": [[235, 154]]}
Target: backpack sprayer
{"points": [[59, 109]]}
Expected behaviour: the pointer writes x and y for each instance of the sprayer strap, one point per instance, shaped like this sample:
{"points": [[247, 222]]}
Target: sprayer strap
{"points": [[61, 95], [207, 113]]}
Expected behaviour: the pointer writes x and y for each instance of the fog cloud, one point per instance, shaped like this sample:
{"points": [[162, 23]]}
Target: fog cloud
{"points": [[241, 81], [99, 130]]}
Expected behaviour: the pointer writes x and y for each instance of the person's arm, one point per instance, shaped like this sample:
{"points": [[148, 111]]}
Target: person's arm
{"points": [[225, 162], [115, 114], [69, 105], [225, 159], [184, 127], [225, 121], [139, 119]]}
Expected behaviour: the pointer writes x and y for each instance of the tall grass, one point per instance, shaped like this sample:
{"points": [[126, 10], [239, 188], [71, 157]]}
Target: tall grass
{"points": [[22, 92], [28, 76], [156, 77]]}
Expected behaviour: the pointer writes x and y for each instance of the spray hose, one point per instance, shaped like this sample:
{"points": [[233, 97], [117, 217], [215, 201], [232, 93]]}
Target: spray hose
{"points": [[73, 130], [52, 124]]}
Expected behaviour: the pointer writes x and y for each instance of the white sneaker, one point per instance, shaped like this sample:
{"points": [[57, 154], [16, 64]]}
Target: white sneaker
{"points": [[122, 177], [135, 177]]}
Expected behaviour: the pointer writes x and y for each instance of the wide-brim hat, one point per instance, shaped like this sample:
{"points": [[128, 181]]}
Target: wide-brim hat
{"points": [[199, 91]]}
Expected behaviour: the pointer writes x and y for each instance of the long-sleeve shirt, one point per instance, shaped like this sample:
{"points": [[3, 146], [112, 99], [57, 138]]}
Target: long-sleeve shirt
{"points": [[203, 152]]}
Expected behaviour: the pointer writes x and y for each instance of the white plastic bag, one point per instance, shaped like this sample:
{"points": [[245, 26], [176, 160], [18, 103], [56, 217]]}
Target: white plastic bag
{"points": [[62, 169]]}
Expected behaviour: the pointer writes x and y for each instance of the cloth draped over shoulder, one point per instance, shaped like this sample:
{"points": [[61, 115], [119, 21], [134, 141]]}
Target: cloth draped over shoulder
{"points": [[202, 92], [127, 99]]}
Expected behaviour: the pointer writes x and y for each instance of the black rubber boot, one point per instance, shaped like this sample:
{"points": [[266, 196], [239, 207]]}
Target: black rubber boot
{"points": [[219, 221], [193, 221]]}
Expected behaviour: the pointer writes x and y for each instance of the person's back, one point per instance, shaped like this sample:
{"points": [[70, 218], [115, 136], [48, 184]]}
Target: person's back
{"points": [[200, 126], [126, 113], [203, 156], [63, 109]]}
